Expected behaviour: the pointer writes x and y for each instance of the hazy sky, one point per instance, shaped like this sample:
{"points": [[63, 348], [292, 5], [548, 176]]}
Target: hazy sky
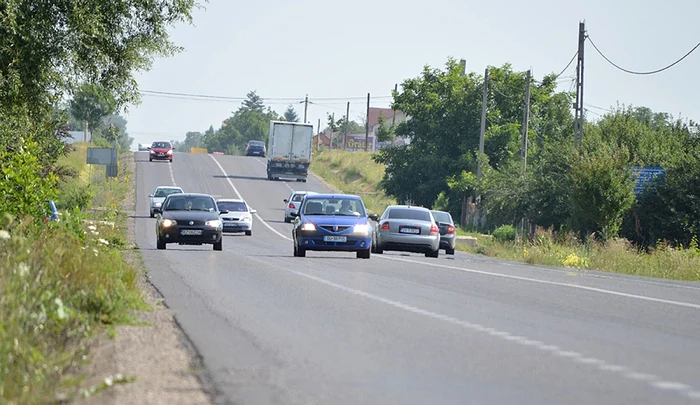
{"points": [[327, 49]]}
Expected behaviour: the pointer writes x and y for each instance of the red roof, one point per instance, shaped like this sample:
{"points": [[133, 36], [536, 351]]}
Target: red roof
{"points": [[374, 114]]}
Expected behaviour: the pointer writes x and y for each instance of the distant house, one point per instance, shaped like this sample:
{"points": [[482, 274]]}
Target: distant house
{"points": [[322, 141], [391, 117]]}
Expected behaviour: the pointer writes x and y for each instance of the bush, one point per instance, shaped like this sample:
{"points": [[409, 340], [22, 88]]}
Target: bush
{"points": [[74, 194], [504, 233]]}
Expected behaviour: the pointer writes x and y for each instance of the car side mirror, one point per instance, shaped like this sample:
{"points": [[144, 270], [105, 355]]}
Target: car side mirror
{"points": [[286, 200], [293, 214], [148, 147], [253, 211], [222, 212], [150, 196], [173, 148], [373, 217], [157, 211]]}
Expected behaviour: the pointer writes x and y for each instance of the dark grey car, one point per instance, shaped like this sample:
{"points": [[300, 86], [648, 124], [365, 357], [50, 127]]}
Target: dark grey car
{"points": [[448, 232]]}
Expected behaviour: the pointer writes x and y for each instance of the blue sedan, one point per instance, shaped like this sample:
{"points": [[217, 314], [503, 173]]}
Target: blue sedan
{"points": [[332, 222]]}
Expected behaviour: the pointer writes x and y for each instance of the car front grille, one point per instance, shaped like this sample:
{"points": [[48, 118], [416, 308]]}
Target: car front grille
{"points": [[340, 228]]}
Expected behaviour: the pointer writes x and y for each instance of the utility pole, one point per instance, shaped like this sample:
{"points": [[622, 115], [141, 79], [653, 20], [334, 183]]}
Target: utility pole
{"points": [[578, 105], [463, 64], [332, 129], [318, 137], [306, 107], [85, 131], [526, 119], [367, 125], [393, 118], [482, 133], [347, 126]]}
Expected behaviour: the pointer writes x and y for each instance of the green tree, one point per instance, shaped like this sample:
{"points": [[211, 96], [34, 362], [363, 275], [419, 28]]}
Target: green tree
{"points": [[385, 133], [290, 114], [90, 104], [253, 102]]}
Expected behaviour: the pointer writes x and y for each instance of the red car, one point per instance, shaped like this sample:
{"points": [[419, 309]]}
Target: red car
{"points": [[161, 151]]}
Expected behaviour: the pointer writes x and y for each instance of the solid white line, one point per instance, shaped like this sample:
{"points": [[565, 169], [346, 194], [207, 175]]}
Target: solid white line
{"points": [[172, 176], [534, 280], [235, 190]]}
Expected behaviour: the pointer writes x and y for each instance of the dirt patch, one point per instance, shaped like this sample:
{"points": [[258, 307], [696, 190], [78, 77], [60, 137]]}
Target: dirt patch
{"points": [[153, 363]]}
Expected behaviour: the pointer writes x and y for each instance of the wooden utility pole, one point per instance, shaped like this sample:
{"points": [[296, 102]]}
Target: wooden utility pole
{"points": [[526, 119], [332, 129], [306, 107], [85, 131], [318, 137], [367, 125], [393, 118], [578, 104], [463, 64], [347, 126], [482, 133]]}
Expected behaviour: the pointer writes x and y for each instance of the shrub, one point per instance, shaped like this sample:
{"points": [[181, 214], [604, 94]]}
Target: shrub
{"points": [[504, 233]]}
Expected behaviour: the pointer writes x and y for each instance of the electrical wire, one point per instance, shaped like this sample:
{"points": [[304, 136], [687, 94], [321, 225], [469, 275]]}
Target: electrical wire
{"points": [[567, 65], [641, 73], [229, 98]]}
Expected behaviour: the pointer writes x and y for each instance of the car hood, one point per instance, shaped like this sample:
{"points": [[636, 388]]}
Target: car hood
{"points": [[191, 215], [157, 199], [335, 219], [235, 214], [160, 150]]}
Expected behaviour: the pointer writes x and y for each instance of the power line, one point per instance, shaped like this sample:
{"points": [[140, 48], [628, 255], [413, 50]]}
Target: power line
{"points": [[567, 65], [238, 98], [641, 73]]}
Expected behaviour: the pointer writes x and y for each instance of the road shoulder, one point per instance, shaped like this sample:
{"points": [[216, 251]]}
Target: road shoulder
{"points": [[149, 363]]}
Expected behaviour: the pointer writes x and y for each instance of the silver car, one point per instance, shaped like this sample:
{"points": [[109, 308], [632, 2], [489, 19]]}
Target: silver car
{"points": [[405, 228], [448, 232], [236, 215], [159, 195], [293, 202]]}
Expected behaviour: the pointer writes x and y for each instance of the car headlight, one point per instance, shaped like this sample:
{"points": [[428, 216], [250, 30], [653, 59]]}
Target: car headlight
{"points": [[246, 218], [168, 223], [158, 204], [214, 223], [170, 152], [308, 226], [361, 228]]}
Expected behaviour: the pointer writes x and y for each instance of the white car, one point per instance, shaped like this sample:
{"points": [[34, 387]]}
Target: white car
{"points": [[293, 202], [159, 195], [237, 216]]}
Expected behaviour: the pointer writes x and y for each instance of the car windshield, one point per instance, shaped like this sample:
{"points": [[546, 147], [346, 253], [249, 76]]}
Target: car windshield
{"points": [[164, 192], [160, 145], [409, 213], [188, 203], [442, 217], [233, 206], [334, 206]]}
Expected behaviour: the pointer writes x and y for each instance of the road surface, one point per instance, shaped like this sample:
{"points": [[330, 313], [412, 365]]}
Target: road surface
{"points": [[402, 328]]}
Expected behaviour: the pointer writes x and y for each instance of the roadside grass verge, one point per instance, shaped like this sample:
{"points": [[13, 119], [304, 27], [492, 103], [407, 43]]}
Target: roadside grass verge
{"points": [[357, 173], [60, 284], [353, 173]]}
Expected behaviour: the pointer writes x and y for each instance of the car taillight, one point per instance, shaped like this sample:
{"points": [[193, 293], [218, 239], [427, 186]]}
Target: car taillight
{"points": [[434, 229], [385, 225], [291, 205], [450, 229], [248, 146]]}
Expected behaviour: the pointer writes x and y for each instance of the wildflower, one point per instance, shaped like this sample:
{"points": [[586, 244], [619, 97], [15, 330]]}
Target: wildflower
{"points": [[23, 269], [4, 234], [92, 227], [103, 241]]}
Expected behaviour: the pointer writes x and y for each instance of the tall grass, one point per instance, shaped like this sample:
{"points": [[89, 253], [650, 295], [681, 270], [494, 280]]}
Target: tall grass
{"points": [[353, 173], [58, 284]]}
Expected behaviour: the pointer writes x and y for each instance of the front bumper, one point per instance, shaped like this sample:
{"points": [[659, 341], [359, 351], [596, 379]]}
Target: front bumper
{"points": [[174, 235], [237, 226], [314, 240], [157, 156]]}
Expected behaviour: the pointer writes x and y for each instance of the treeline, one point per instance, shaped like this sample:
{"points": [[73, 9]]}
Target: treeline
{"points": [[586, 189]]}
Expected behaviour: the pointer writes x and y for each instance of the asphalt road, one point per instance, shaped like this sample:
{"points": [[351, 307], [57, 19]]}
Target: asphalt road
{"points": [[405, 329]]}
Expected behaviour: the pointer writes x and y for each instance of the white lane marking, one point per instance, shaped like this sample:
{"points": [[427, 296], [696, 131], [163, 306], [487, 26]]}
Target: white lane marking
{"points": [[576, 357], [235, 190], [534, 280], [172, 176], [265, 164], [523, 341]]}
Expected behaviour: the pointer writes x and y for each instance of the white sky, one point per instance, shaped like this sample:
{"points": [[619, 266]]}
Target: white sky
{"points": [[343, 50]]}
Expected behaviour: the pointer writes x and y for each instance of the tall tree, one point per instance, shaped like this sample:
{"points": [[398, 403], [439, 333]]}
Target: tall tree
{"points": [[253, 102], [90, 104], [290, 114]]}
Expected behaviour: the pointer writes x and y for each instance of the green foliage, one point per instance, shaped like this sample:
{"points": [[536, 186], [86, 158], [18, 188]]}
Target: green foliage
{"points": [[73, 193], [385, 133], [23, 186], [504, 233], [290, 114]]}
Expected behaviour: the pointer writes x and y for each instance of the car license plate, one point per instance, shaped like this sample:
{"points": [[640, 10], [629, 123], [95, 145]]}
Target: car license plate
{"points": [[335, 238], [414, 231], [191, 232]]}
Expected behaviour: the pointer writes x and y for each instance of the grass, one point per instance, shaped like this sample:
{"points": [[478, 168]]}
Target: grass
{"points": [[59, 285], [353, 173], [357, 173]]}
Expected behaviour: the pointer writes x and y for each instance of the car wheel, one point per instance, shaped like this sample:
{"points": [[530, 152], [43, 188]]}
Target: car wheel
{"points": [[287, 220], [160, 244], [219, 245], [150, 160], [450, 251], [248, 233], [434, 254], [152, 215], [363, 254]]}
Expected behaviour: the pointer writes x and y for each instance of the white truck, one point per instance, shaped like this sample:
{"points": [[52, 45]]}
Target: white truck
{"points": [[289, 150]]}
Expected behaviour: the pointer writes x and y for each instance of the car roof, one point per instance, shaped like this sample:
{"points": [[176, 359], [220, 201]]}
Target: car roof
{"points": [[192, 195], [304, 192], [413, 207], [340, 195], [445, 212], [176, 187], [230, 200]]}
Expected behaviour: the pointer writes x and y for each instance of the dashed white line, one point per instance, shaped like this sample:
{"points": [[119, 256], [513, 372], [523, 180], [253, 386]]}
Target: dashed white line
{"points": [[651, 379], [172, 176]]}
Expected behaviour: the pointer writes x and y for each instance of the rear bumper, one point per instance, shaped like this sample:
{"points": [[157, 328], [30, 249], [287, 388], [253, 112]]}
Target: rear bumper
{"points": [[408, 243], [448, 241], [255, 153]]}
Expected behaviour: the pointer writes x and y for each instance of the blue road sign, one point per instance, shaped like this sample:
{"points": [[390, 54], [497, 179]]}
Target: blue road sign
{"points": [[646, 175]]}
